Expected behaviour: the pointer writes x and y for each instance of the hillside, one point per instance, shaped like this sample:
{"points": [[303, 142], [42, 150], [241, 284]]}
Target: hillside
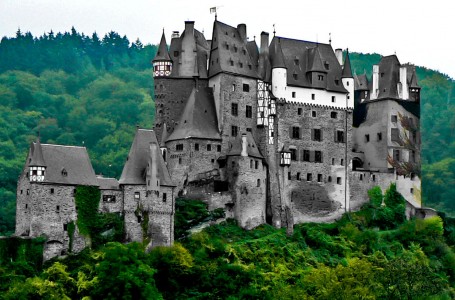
{"points": [[86, 90]]}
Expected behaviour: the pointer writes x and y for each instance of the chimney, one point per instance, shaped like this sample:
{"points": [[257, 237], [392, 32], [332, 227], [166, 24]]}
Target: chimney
{"points": [[242, 31], [154, 181], [339, 55], [175, 35], [404, 93], [375, 91], [189, 27], [244, 145], [264, 42]]}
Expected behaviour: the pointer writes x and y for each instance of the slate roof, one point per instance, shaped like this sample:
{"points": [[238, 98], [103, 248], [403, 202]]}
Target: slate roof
{"points": [[361, 82], [37, 158], [276, 54], [107, 183], [199, 119], [252, 150], [134, 171], [162, 54], [72, 159], [389, 66], [347, 72], [309, 59], [243, 63]]}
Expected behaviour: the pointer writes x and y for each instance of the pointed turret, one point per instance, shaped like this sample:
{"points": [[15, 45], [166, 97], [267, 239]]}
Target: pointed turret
{"points": [[277, 56], [347, 72], [162, 63], [279, 69], [37, 165]]}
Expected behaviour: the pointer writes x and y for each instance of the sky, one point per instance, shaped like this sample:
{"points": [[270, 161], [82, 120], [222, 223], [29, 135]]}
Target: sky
{"points": [[417, 31]]}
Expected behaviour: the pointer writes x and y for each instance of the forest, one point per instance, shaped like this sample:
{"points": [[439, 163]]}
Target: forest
{"points": [[93, 91]]}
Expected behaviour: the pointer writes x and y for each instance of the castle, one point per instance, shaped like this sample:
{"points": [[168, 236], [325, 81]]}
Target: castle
{"points": [[278, 133]]}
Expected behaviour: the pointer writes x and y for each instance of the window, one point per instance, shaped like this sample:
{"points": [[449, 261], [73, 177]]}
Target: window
{"points": [[248, 130], [317, 135], [258, 183], [234, 130], [318, 156], [246, 87], [394, 118], [394, 135], [293, 154], [309, 177], [295, 132], [176, 53], [256, 164], [342, 162], [339, 137], [333, 161], [299, 111], [338, 180], [412, 156], [382, 74], [298, 175], [320, 77], [164, 197], [64, 173], [233, 87], [137, 195], [209, 147], [313, 114], [396, 155], [367, 138], [52, 191], [249, 111], [379, 136], [108, 198], [361, 177], [57, 208], [289, 176], [329, 179], [319, 177], [196, 147], [374, 177], [240, 65], [28, 192], [313, 96], [227, 46], [231, 62], [218, 148], [234, 109], [179, 147], [293, 94], [296, 62], [306, 155], [294, 76], [333, 114], [333, 99]]}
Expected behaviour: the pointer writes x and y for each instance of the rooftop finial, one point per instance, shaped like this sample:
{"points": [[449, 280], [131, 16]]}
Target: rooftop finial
{"points": [[213, 10], [330, 38], [274, 31]]}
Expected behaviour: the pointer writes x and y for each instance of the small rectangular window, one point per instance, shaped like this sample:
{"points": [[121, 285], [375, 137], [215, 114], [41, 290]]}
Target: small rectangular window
{"points": [[342, 162], [248, 130], [196, 147], [333, 99], [394, 118], [333, 114], [234, 109], [379, 136], [246, 87], [233, 87], [256, 164], [329, 179], [338, 180], [258, 183], [179, 147], [295, 76], [309, 177], [293, 94], [218, 148], [293, 154], [234, 130], [306, 155], [58, 208], [367, 138], [313, 96], [296, 132], [319, 177], [298, 175], [299, 111], [249, 111], [317, 135], [318, 156], [137, 195], [289, 176], [164, 197], [394, 135], [209, 147], [313, 114], [52, 190], [396, 155], [339, 137]]}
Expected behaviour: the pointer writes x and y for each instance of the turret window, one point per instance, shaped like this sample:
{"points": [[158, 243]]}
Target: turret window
{"points": [[179, 147], [246, 87], [333, 99], [320, 77], [313, 96]]}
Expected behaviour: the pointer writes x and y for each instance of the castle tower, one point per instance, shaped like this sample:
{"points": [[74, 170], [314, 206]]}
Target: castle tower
{"points": [[279, 70], [348, 80], [162, 63], [37, 166]]}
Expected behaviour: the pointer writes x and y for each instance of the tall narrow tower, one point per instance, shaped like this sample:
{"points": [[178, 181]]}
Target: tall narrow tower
{"points": [[162, 63]]}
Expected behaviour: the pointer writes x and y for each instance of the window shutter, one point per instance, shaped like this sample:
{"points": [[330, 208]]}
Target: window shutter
{"points": [[301, 155], [322, 136], [312, 156]]}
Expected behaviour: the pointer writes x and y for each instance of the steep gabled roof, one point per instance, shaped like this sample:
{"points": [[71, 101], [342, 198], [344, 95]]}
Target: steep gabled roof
{"points": [[347, 72], [134, 171], [162, 54], [65, 164], [315, 61], [37, 159], [389, 76], [299, 59], [252, 149], [107, 183], [412, 76], [361, 82], [230, 54], [199, 119]]}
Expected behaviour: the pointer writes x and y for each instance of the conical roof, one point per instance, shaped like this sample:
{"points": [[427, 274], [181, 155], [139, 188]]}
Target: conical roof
{"points": [[315, 62], [413, 83], [277, 55], [347, 72], [37, 159], [163, 53]]}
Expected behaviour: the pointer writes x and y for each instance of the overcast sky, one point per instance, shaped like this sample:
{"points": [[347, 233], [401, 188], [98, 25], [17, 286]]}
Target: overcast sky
{"points": [[418, 31]]}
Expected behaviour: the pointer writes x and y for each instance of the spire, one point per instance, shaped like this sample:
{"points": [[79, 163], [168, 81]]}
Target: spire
{"points": [[277, 55], [37, 159], [164, 135], [316, 61], [414, 83], [347, 72], [163, 53]]}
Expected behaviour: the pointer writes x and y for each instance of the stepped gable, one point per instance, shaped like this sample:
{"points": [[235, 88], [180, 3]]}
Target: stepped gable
{"points": [[347, 72], [199, 117], [135, 167], [304, 53], [64, 164], [107, 183], [390, 67], [230, 53], [162, 54], [361, 82], [252, 149]]}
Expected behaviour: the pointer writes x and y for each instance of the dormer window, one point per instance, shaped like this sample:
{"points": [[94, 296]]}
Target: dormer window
{"points": [[326, 65], [382, 75], [296, 62], [295, 76], [320, 77], [64, 173], [235, 49]]}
